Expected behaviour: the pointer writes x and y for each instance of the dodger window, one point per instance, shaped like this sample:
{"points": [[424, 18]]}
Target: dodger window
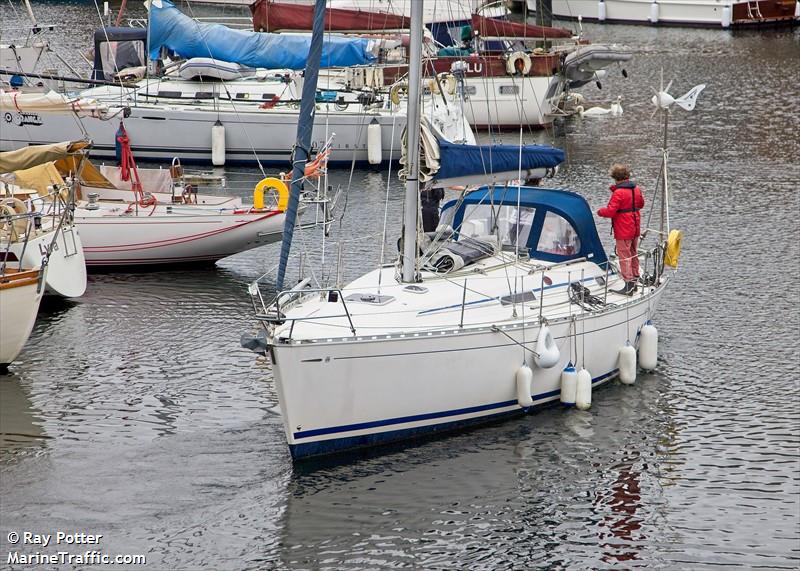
{"points": [[506, 222], [558, 237]]}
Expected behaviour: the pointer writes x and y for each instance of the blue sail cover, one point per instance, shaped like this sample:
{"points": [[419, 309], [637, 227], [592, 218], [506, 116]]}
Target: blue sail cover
{"points": [[468, 160], [188, 38]]}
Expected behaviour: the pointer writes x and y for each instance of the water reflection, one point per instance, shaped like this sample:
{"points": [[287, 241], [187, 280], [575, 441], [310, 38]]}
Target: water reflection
{"points": [[20, 424], [622, 523], [517, 491], [159, 426]]}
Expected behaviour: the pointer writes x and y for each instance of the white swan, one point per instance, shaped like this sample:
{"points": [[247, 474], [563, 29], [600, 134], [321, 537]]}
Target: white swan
{"points": [[615, 110]]}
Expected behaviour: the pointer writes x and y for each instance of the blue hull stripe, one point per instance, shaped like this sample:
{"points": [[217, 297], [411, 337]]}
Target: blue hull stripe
{"points": [[327, 446]]}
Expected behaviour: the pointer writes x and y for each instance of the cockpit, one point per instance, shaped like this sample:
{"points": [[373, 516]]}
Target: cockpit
{"points": [[545, 224]]}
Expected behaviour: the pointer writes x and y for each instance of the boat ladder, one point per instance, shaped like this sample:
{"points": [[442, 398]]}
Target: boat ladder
{"points": [[753, 11], [73, 249]]}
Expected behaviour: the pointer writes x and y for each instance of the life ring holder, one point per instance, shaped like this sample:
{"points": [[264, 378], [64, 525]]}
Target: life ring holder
{"points": [[673, 249], [274, 183], [397, 91], [518, 63]]}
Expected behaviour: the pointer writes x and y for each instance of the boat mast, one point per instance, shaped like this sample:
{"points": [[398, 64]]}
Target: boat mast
{"points": [[411, 209], [31, 16], [305, 125], [665, 180]]}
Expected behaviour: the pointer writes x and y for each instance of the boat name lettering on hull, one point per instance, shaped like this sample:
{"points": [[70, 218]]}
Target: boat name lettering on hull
{"points": [[21, 119]]}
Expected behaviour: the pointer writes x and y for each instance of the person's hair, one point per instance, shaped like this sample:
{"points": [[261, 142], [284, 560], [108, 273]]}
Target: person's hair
{"points": [[619, 172]]}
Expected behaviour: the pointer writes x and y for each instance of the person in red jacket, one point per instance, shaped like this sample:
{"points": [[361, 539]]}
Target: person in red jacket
{"points": [[623, 208]]}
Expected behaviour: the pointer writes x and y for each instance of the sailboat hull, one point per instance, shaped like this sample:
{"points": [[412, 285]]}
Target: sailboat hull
{"points": [[66, 269], [20, 295], [365, 391], [168, 239], [163, 132]]}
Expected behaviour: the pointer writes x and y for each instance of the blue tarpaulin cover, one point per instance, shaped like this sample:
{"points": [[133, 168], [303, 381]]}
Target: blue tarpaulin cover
{"points": [[468, 160], [188, 38]]}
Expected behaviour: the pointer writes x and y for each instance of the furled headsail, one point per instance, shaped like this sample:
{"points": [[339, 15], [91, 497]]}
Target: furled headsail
{"points": [[188, 38]]}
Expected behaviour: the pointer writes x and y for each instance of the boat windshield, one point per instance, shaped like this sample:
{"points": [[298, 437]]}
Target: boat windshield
{"points": [[558, 236], [117, 56], [506, 223]]}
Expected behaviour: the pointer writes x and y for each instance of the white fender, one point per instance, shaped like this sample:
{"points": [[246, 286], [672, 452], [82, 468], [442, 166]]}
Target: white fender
{"points": [[601, 11], [627, 364], [524, 378], [547, 353], [583, 392], [374, 143], [654, 12], [218, 144], [569, 385], [726, 15], [648, 347]]}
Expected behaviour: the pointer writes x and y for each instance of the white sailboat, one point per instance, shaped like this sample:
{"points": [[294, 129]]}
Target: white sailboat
{"points": [[511, 294], [31, 233], [212, 109], [21, 292], [141, 216]]}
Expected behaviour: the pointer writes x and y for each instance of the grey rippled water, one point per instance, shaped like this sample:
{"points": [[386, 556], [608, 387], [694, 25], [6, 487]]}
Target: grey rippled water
{"points": [[132, 412]]}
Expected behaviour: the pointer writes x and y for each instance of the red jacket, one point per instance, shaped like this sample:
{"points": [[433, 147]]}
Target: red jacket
{"points": [[623, 208]]}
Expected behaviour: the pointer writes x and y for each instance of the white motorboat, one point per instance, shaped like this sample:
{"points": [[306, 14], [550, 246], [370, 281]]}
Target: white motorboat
{"points": [[702, 13], [31, 233], [487, 317], [155, 216], [20, 294]]}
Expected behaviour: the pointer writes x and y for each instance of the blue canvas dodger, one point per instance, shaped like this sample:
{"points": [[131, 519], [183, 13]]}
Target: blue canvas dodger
{"points": [[188, 38]]}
